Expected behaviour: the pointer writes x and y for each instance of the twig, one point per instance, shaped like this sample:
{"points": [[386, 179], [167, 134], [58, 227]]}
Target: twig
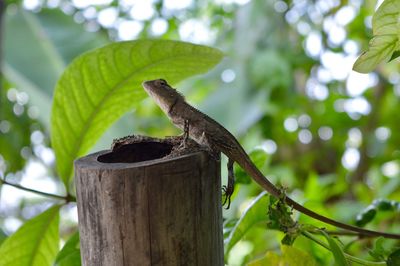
{"points": [[67, 198], [346, 233]]}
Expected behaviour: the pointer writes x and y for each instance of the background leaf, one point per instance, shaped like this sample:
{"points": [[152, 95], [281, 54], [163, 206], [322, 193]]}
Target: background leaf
{"points": [[255, 213], [290, 256], [385, 42], [3, 236], [394, 258], [54, 39], [270, 258], [337, 251], [35, 243], [295, 256], [379, 250], [70, 254], [15, 132], [100, 86]]}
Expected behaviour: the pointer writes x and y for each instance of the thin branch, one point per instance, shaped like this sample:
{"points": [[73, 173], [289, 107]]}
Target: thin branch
{"points": [[67, 198], [342, 233], [347, 233]]}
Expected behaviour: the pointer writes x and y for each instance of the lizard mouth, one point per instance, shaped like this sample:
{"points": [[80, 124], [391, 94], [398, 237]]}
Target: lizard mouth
{"points": [[146, 84]]}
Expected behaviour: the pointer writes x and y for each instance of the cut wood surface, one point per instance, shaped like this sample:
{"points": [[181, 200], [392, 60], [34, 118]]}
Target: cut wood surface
{"points": [[137, 209]]}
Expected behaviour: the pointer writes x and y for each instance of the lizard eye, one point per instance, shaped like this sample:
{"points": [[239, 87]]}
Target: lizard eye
{"points": [[162, 82]]}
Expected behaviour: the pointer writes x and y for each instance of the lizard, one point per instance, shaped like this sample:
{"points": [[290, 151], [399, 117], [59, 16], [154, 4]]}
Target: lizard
{"points": [[206, 131]]}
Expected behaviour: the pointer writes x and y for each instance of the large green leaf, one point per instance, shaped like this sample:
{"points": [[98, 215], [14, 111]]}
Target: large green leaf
{"points": [[70, 254], [386, 40], [35, 243], [290, 256], [54, 39], [295, 256], [100, 86], [255, 213]]}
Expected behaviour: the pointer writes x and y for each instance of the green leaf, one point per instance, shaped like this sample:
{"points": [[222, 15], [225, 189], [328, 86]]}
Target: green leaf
{"points": [[379, 251], [394, 258], [280, 218], [395, 55], [3, 236], [290, 256], [386, 31], [337, 251], [270, 258], [70, 254], [53, 43], [380, 48], [255, 213], [35, 243], [385, 205], [100, 86], [366, 216], [295, 256]]}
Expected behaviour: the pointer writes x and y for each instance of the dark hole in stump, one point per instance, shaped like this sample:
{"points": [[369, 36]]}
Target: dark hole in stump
{"points": [[136, 152]]}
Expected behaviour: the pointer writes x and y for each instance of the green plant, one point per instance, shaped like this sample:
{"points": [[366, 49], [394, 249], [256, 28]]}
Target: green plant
{"points": [[385, 44]]}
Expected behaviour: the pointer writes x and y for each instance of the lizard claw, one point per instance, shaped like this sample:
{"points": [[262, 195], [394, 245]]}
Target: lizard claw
{"points": [[228, 189], [227, 197]]}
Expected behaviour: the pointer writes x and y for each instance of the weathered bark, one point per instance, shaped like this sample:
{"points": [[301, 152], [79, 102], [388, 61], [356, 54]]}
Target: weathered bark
{"points": [[154, 212]]}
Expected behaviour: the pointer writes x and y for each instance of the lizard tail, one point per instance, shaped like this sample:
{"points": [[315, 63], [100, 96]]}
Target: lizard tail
{"points": [[271, 188], [327, 220]]}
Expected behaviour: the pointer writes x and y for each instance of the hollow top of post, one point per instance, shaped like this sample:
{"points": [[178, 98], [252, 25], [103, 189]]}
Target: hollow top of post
{"points": [[144, 152]]}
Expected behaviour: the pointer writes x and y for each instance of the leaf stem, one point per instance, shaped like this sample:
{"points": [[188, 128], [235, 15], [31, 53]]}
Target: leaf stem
{"points": [[349, 257], [67, 198]]}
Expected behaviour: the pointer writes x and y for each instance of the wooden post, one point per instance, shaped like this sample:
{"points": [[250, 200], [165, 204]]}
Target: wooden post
{"points": [[153, 212]]}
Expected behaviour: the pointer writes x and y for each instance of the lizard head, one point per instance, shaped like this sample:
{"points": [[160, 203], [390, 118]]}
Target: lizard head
{"points": [[163, 94]]}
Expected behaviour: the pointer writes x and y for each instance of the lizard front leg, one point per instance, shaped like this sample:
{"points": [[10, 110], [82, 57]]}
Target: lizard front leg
{"points": [[213, 148], [185, 135], [186, 130], [228, 189]]}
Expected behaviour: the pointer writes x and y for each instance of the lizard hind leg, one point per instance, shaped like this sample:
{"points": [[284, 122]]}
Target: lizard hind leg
{"points": [[229, 188]]}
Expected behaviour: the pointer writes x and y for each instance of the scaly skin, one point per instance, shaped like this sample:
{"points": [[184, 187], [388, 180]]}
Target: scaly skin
{"points": [[206, 131]]}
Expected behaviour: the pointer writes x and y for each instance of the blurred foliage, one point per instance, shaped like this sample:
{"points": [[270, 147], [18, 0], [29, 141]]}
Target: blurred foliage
{"points": [[54, 40], [286, 89], [16, 127]]}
